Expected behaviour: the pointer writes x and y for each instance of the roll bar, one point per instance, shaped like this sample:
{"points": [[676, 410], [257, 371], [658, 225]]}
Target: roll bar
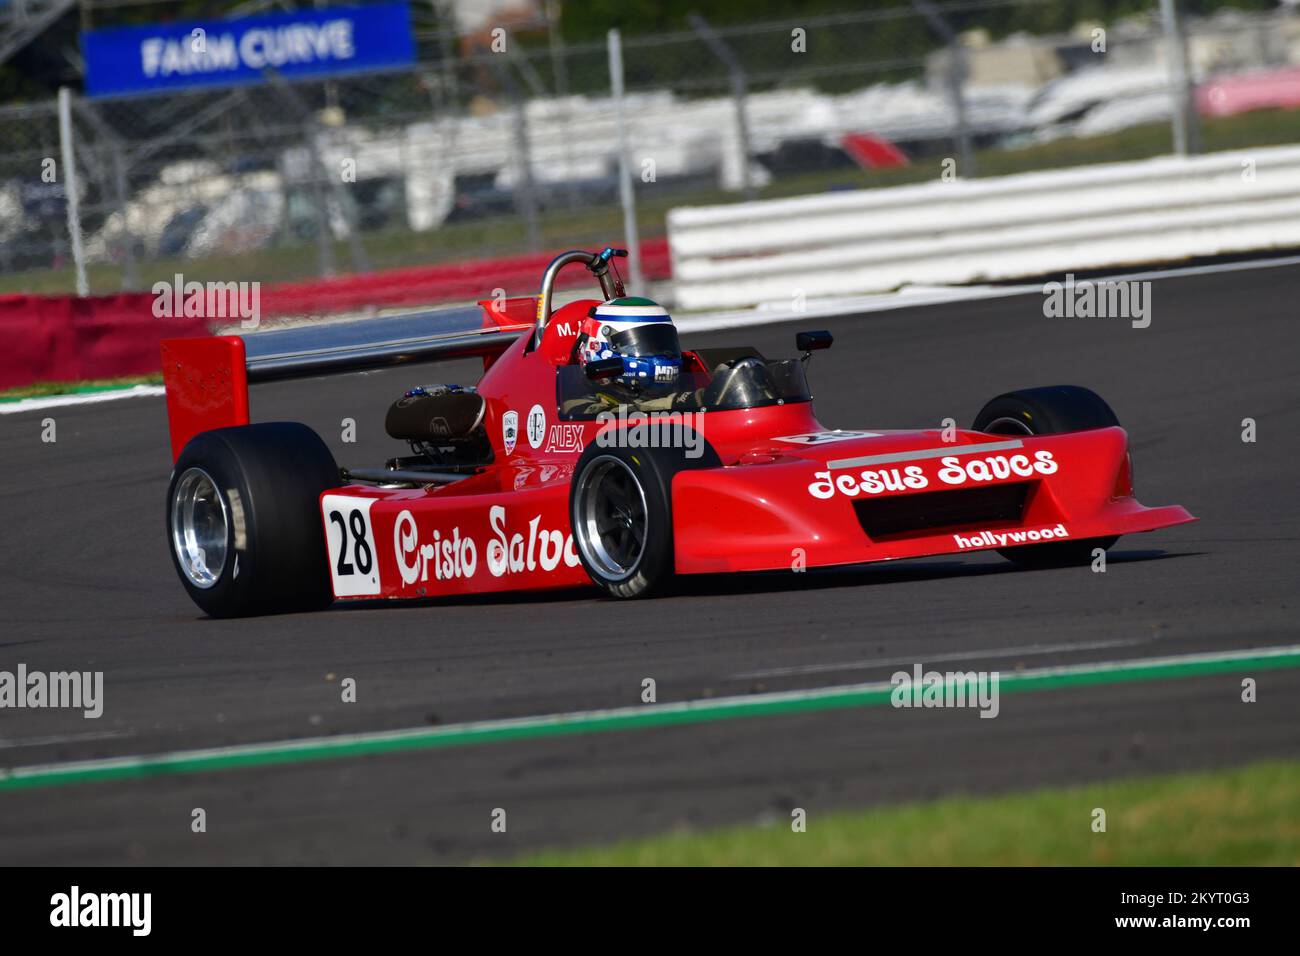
{"points": [[597, 263]]}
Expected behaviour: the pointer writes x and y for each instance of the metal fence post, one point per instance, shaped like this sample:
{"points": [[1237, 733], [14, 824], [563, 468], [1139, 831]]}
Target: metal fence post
{"points": [[325, 266], [71, 197], [551, 9], [739, 94], [527, 189], [1185, 131], [525, 195], [560, 74], [631, 238], [130, 271], [117, 151], [956, 81], [325, 184]]}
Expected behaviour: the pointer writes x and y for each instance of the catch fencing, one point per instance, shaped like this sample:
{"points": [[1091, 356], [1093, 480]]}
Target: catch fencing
{"points": [[504, 139]]}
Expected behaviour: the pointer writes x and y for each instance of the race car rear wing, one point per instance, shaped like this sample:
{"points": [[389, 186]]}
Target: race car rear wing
{"points": [[206, 379]]}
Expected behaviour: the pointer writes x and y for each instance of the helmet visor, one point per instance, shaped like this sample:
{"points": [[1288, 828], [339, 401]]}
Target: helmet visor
{"points": [[653, 338]]}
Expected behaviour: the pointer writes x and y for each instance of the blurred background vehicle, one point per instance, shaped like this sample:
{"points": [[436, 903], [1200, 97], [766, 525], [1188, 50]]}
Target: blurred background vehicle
{"points": [[501, 136]]}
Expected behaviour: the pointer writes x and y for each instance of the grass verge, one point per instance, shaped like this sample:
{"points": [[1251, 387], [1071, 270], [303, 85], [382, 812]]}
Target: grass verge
{"points": [[1243, 816]]}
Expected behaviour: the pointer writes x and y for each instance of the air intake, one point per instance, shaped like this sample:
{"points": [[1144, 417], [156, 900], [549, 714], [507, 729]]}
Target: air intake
{"points": [[930, 512]]}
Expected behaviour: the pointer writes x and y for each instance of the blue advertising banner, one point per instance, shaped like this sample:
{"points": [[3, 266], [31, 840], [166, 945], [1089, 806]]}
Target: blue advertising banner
{"points": [[198, 53]]}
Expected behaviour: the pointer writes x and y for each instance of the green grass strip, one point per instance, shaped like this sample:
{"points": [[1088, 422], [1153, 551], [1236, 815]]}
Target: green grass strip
{"points": [[625, 718], [1244, 816]]}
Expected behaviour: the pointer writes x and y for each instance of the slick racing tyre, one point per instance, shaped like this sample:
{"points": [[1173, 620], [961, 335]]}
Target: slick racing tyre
{"points": [[620, 508], [1053, 410], [243, 519]]}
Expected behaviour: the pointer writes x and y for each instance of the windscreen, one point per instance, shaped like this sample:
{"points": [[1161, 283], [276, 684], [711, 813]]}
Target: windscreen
{"points": [[746, 383]]}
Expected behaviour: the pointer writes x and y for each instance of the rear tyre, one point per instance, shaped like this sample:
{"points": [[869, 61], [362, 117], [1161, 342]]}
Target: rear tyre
{"points": [[1053, 410], [243, 519], [620, 509]]}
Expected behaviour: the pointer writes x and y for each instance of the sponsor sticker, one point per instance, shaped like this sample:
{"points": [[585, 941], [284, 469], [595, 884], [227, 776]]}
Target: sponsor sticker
{"points": [[1005, 539], [953, 472], [452, 554], [536, 425], [510, 430], [566, 436]]}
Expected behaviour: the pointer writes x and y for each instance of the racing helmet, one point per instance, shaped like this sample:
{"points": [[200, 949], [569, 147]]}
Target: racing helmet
{"points": [[641, 333]]}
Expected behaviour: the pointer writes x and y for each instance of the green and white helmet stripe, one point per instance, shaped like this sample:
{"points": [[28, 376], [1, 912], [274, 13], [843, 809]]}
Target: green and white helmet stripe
{"points": [[631, 308]]}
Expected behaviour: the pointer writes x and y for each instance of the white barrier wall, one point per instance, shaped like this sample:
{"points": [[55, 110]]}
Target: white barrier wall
{"points": [[939, 233]]}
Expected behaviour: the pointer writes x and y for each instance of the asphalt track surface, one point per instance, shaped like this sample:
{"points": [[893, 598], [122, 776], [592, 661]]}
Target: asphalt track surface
{"points": [[86, 584]]}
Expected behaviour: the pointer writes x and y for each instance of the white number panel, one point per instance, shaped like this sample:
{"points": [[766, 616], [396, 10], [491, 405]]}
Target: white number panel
{"points": [[354, 562]]}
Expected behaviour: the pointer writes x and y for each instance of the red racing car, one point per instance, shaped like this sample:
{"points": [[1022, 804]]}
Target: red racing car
{"points": [[534, 479]]}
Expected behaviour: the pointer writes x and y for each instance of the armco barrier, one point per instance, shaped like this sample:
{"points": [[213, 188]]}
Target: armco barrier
{"points": [[66, 339], [943, 233]]}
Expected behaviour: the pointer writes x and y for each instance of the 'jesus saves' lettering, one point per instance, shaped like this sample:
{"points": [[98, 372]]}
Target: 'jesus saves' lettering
{"points": [[954, 471]]}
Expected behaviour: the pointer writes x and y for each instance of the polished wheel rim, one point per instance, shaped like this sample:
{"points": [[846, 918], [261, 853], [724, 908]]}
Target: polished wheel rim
{"points": [[200, 526], [611, 513]]}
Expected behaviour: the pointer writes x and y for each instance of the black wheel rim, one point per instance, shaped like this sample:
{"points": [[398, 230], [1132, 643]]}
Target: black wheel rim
{"points": [[1006, 425]]}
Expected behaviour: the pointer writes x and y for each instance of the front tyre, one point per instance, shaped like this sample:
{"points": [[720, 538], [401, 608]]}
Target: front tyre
{"points": [[243, 519], [1054, 410], [620, 509]]}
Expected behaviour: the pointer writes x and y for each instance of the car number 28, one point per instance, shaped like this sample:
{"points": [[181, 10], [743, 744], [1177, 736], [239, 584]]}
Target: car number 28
{"points": [[354, 566]]}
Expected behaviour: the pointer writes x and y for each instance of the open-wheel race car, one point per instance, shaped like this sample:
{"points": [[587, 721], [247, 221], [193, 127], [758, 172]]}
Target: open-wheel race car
{"points": [[557, 470]]}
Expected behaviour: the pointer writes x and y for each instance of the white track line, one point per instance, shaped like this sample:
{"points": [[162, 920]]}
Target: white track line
{"points": [[992, 653], [79, 398], [59, 739], [466, 732]]}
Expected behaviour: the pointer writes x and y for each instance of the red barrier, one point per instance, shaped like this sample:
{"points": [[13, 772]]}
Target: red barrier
{"points": [[423, 285], [67, 339]]}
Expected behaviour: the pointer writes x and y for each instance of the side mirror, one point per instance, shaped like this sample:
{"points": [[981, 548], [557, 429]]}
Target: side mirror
{"points": [[604, 368], [813, 341]]}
